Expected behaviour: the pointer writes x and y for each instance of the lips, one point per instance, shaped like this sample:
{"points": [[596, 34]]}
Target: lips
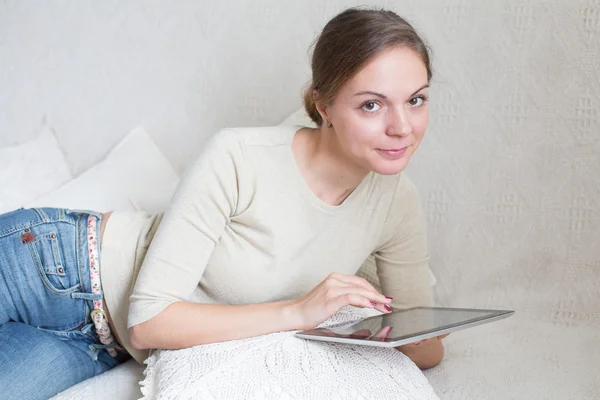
{"points": [[393, 153]]}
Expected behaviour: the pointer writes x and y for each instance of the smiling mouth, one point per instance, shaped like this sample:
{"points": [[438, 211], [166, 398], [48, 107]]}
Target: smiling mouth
{"points": [[393, 153]]}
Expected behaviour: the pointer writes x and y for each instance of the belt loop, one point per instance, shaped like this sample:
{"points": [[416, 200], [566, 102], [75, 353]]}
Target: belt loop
{"points": [[42, 214], [95, 352], [87, 296]]}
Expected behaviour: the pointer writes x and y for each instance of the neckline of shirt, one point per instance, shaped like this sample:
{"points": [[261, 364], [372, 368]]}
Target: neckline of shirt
{"points": [[307, 192]]}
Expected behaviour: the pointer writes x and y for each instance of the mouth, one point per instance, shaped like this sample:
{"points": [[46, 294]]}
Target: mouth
{"points": [[393, 153]]}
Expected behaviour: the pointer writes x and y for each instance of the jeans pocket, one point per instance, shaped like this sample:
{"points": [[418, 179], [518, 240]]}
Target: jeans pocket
{"points": [[56, 276]]}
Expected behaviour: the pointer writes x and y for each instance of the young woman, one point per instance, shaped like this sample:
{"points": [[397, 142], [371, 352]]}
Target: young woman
{"points": [[264, 234]]}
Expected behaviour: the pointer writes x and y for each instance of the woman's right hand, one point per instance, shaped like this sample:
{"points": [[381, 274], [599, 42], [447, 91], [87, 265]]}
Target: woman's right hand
{"points": [[335, 292]]}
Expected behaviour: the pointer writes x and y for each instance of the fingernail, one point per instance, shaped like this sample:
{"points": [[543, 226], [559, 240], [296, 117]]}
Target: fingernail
{"points": [[373, 303], [389, 298], [388, 308], [416, 343]]}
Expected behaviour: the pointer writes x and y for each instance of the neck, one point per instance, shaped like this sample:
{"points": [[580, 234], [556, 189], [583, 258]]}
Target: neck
{"points": [[330, 174]]}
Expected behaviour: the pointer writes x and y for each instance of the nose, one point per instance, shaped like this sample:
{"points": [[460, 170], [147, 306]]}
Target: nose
{"points": [[399, 123]]}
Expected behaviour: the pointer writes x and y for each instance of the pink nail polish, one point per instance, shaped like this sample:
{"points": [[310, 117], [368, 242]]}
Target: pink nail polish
{"points": [[388, 308], [373, 303], [389, 298]]}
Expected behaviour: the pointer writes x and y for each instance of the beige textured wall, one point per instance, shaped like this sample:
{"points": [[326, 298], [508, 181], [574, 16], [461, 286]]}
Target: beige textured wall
{"points": [[509, 171]]}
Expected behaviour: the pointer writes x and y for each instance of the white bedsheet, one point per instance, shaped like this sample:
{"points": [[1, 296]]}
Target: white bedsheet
{"points": [[120, 383], [521, 357]]}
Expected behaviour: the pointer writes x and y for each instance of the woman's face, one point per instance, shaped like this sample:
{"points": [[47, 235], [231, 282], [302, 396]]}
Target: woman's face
{"points": [[379, 117]]}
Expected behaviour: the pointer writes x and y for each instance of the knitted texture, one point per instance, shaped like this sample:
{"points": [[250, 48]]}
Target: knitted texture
{"points": [[282, 366]]}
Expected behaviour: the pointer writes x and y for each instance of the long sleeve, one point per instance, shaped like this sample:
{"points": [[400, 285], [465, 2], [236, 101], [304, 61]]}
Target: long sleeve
{"points": [[402, 259], [201, 207]]}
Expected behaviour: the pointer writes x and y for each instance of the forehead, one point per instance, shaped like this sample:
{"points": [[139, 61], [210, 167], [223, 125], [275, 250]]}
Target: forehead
{"points": [[397, 72]]}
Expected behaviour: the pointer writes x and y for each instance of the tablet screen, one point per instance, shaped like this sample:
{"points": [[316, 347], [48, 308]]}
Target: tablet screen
{"points": [[408, 323]]}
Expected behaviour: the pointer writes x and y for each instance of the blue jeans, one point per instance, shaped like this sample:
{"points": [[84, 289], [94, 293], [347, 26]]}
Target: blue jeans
{"points": [[48, 341]]}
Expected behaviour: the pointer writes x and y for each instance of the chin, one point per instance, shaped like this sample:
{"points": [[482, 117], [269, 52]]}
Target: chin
{"points": [[383, 165], [387, 167]]}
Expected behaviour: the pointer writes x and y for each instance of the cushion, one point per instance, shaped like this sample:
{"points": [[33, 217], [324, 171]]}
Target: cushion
{"points": [[298, 117], [282, 366], [119, 383], [135, 175], [31, 169]]}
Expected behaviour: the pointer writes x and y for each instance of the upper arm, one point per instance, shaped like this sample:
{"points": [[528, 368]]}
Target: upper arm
{"points": [[402, 259], [190, 229]]}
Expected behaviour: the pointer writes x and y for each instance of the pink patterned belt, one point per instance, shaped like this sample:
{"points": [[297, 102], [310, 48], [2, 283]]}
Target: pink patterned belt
{"points": [[98, 315]]}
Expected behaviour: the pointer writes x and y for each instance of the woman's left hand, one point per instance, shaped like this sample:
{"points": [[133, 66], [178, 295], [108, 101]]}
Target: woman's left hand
{"points": [[441, 337], [425, 353]]}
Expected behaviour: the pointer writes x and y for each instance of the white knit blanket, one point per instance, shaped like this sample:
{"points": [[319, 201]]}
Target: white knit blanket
{"points": [[281, 366]]}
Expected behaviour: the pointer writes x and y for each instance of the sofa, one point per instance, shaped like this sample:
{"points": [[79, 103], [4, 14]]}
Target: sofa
{"points": [[508, 173]]}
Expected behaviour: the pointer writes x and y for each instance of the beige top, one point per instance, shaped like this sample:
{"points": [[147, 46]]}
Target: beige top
{"points": [[244, 227], [126, 239]]}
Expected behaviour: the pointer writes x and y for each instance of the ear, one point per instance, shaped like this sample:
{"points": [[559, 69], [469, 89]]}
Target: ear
{"points": [[321, 108]]}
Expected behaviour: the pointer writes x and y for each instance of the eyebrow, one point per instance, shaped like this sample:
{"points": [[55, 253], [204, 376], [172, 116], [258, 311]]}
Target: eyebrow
{"points": [[384, 96]]}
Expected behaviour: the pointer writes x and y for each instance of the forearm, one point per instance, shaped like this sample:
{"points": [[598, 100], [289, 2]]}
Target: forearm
{"points": [[426, 354], [184, 324]]}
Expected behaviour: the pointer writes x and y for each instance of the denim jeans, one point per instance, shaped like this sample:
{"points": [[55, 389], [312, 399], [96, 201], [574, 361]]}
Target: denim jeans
{"points": [[48, 341]]}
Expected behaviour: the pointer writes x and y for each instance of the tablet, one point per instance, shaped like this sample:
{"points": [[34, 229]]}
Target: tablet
{"points": [[405, 326]]}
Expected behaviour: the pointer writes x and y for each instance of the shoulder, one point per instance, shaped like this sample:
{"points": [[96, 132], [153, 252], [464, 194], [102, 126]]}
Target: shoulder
{"points": [[256, 136], [405, 202], [406, 188], [399, 187], [405, 220], [243, 150]]}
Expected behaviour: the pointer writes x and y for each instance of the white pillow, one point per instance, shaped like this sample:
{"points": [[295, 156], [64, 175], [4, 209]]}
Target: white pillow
{"points": [[298, 117], [30, 170], [282, 366], [134, 176]]}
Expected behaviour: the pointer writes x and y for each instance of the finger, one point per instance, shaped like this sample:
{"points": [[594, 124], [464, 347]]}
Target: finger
{"points": [[360, 334], [358, 291], [347, 281], [381, 306], [325, 332], [352, 299], [443, 336], [384, 308], [382, 334], [355, 280]]}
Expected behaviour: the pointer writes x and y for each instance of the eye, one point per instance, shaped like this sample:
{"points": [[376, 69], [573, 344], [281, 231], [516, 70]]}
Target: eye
{"points": [[370, 106], [417, 101]]}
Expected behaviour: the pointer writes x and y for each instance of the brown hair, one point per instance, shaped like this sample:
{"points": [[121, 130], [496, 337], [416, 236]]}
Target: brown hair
{"points": [[347, 42]]}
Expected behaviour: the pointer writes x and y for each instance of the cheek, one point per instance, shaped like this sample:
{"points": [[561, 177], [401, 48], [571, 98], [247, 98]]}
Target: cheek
{"points": [[420, 126], [360, 133]]}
